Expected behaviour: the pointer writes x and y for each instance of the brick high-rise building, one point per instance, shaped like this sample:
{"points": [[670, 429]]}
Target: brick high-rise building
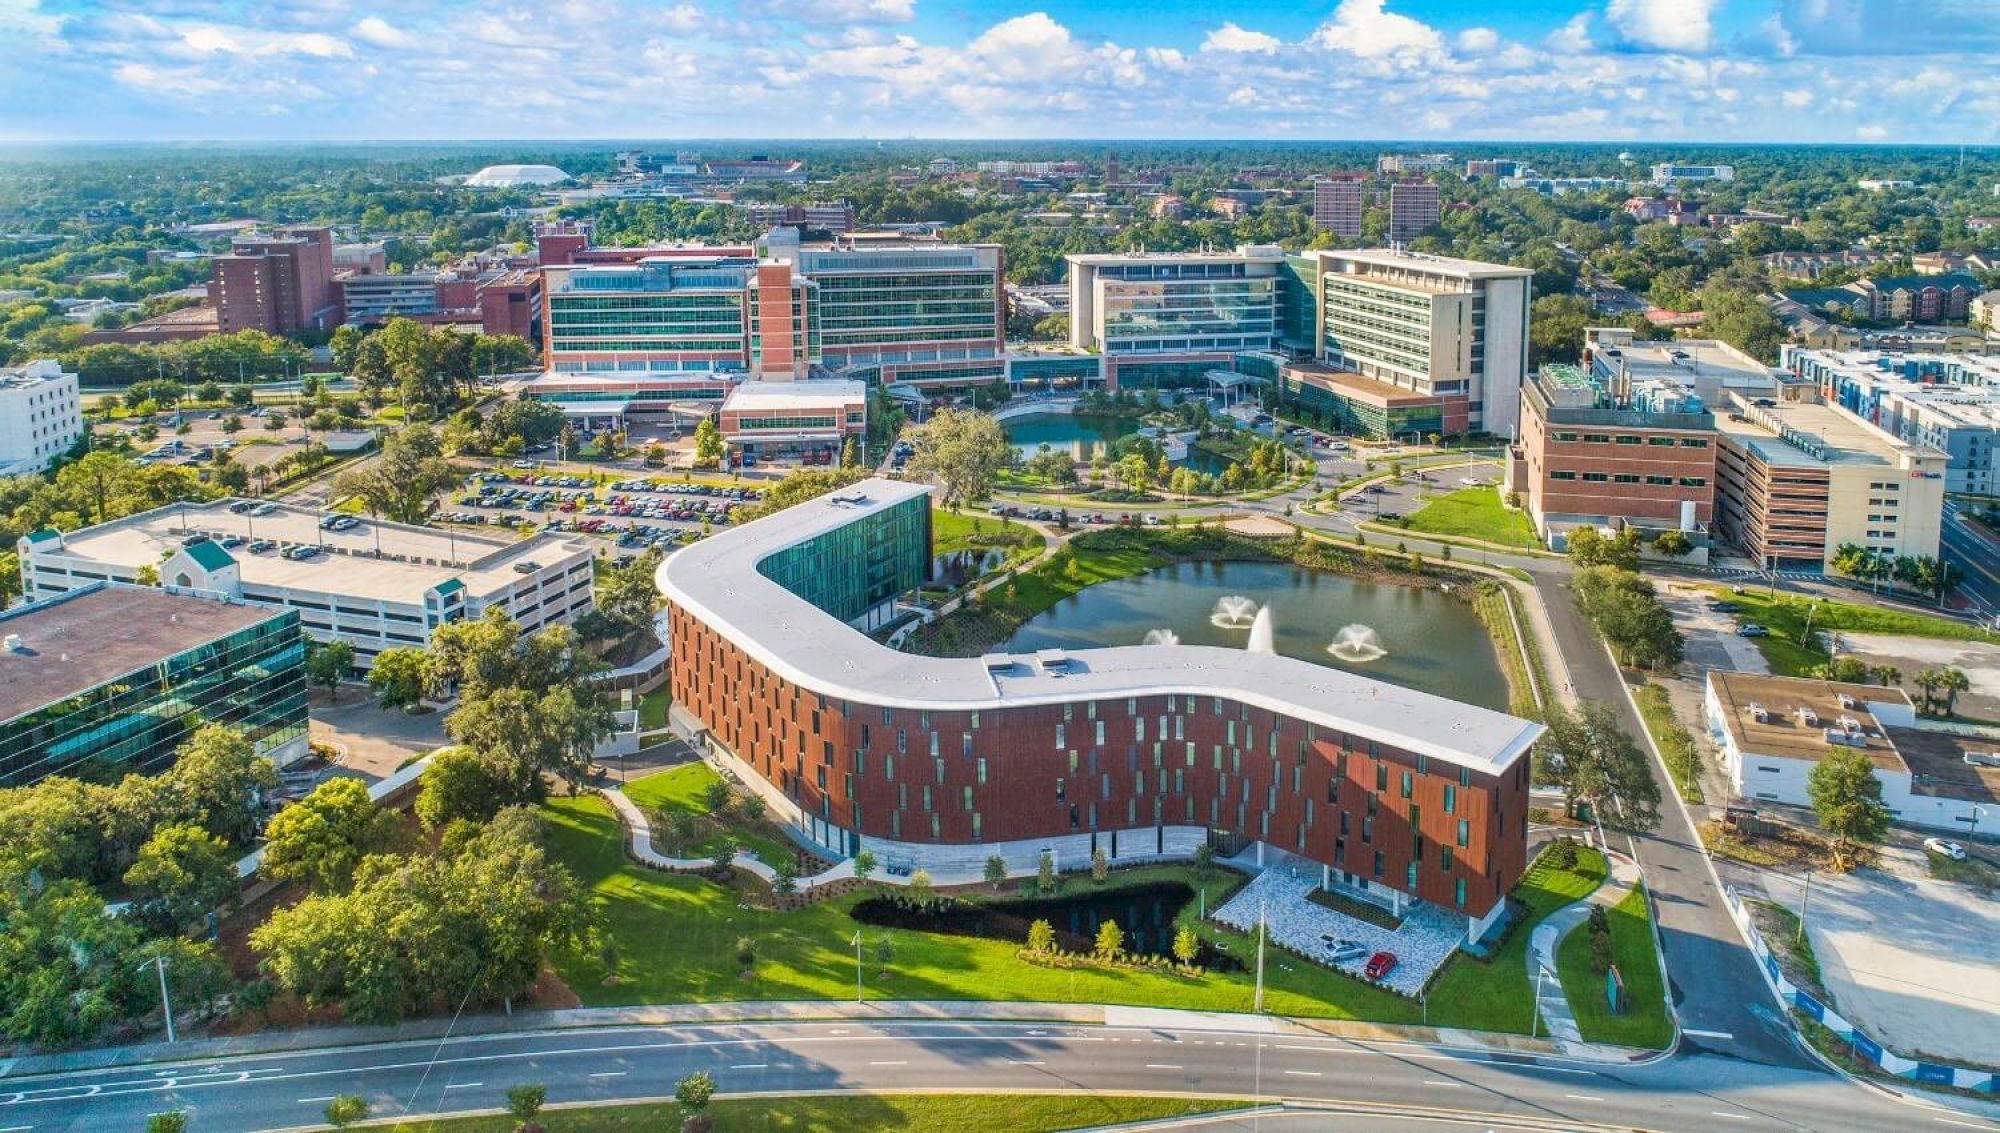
{"points": [[1338, 203], [1413, 209], [279, 284]]}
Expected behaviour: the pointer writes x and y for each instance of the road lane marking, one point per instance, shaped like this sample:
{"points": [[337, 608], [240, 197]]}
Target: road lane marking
{"points": [[1583, 1098], [765, 1065], [1303, 1073], [903, 1062], [1025, 1061], [1731, 1116], [1161, 1066], [16, 1129], [464, 1085], [314, 1101], [608, 1074], [1446, 1085], [1725, 1036]]}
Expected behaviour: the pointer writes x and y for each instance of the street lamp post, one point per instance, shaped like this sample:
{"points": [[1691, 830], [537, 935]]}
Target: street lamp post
{"points": [[1258, 1006], [1535, 1024], [159, 964], [857, 965], [1805, 902]]}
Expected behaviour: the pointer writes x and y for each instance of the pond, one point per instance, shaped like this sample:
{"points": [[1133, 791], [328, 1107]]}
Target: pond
{"points": [[954, 569], [1082, 437], [1419, 638], [1144, 912]]}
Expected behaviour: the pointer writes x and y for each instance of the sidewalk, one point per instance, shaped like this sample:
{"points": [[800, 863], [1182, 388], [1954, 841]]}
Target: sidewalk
{"points": [[438, 1029], [1548, 935]]}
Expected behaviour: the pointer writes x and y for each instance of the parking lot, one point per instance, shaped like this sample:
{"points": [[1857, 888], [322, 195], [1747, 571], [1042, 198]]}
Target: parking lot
{"points": [[252, 446], [638, 512]]}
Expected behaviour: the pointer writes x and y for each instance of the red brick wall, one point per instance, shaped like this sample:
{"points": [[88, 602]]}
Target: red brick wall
{"points": [[807, 744]]}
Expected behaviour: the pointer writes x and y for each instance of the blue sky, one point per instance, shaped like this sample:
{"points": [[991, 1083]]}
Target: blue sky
{"points": [[1639, 70]]}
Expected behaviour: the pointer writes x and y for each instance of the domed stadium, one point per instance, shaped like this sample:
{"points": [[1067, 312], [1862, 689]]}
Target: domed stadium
{"points": [[515, 176]]}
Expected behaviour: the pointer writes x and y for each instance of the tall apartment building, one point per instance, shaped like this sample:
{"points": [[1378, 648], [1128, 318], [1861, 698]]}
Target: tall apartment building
{"points": [[1338, 204], [1403, 164], [279, 284], [40, 416], [825, 216], [1395, 323], [1413, 210], [1175, 302], [1493, 167], [1668, 172], [1948, 402], [1797, 477], [1398, 797]]}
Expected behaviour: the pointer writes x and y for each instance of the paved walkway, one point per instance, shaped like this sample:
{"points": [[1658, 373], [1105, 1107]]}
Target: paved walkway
{"points": [[639, 830], [1556, 1013]]}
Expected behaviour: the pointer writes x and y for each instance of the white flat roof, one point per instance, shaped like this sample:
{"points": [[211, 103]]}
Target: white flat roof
{"points": [[484, 564], [717, 581], [764, 397], [1424, 261]]}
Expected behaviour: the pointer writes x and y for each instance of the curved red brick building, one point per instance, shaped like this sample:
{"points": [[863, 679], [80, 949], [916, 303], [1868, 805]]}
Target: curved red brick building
{"points": [[1143, 751]]}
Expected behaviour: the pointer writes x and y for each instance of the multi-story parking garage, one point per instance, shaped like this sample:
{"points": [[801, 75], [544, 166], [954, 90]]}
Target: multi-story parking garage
{"points": [[1142, 751]]}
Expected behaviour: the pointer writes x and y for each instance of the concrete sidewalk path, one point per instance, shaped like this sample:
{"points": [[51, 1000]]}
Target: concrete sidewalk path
{"points": [[1557, 1016]]}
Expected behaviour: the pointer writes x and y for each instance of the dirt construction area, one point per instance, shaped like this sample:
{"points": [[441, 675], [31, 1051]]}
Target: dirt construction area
{"points": [[1907, 958]]}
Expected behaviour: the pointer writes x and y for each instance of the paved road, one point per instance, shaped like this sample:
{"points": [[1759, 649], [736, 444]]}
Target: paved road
{"points": [[421, 1078], [1976, 554]]}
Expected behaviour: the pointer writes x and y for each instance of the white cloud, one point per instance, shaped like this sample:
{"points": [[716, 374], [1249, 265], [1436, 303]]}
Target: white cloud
{"points": [[381, 33], [835, 11], [217, 39], [1232, 38], [1362, 27], [1478, 41], [1572, 38], [1798, 99], [1871, 133], [1665, 25]]}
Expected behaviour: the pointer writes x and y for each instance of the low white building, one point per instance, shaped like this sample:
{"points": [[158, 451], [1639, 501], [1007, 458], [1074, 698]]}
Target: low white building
{"points": [[374, 585], [1772, 732], [40, 416]]}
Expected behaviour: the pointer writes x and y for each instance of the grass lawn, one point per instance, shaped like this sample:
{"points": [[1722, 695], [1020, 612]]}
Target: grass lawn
{"points": [[1677, 745], [675, 937], [1645, 1022], [1786, 616], [653, 709], [1496, 994], [952, 532], [934, 1113], [1474, 513], [682, 788]]}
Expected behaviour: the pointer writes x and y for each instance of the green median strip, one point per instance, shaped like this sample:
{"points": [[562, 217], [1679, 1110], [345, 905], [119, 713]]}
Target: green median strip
{"points": [[931, 1113]]}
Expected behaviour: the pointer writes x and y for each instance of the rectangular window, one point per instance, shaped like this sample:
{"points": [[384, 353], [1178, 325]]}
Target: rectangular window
{"points": [[1450, 798], [982, 771], [1562, 475], [1406, 784], [1628, 439], [1464, 833], [1458, 892], [1594, 477]]}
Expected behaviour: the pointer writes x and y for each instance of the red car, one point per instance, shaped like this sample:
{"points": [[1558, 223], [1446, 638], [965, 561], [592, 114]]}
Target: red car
{"points": [[1379, 965]]}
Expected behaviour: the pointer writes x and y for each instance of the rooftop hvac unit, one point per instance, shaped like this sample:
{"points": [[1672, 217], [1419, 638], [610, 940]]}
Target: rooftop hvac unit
{"points": [[1837, 738], [1983, 758], [1847, 700], [1758, 713], [13, 643], [1849, 724], [1808, 717]]}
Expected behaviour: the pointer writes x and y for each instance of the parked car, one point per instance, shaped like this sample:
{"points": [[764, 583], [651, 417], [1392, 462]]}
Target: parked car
{"points": [[1724, 607], [1379, 965], [1753, 630], [1945, 848], [1344, 951]]}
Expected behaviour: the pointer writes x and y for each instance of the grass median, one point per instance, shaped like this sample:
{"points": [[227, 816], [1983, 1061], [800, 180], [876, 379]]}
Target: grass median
{"points": [[1644, 1023], [932, 1113], [1496, 994]]}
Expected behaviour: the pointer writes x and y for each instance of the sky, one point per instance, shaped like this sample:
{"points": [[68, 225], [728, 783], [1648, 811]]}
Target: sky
{"points": [[1855, 71]]}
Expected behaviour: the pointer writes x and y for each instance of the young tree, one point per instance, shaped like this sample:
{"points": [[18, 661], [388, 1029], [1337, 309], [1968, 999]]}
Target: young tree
{"points": [[1100, 865], [1186, 945], [785, 877], [1846, 797], [746, 952], [864, 866], [920, 888], [1110, 940], [1041, 938], [1204, 859], [345, 1110], [693, 1093], [524, 1104], [724, 858], [1045, 873], [320, 839], [962, 451], [708, 444], [996, 871], [172, 1121], [398, 678], [328, 663]]}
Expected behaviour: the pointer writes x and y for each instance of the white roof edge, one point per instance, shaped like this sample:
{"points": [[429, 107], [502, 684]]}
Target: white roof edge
{"points": [[813, 649]]}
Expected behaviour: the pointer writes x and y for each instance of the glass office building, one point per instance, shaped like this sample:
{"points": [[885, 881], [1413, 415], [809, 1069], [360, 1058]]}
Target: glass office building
{"points": [[110, 678], [892, 547]]}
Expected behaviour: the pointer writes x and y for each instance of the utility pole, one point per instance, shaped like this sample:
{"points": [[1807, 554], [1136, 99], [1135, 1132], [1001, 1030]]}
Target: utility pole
{"points": [[159, 963], [1805, 902], [1258, 1007], [857, 965]]}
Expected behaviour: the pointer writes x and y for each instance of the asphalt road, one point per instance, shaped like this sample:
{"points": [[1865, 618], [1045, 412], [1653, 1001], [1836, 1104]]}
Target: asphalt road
{"points": [[602, 1066], [1976, 554]]}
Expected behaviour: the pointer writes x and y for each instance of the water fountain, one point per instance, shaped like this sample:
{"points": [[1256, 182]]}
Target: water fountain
{"points": [[1233, 612], [1262, 639], [1161, 637], [1357, 644]]}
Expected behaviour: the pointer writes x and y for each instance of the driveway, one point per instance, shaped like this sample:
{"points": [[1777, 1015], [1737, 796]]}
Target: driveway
{"points": [[370, 741], [1711, 637], [1907, 958]]}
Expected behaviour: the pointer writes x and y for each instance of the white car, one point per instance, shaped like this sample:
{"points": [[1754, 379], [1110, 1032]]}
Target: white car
{"points": [[1945, 848]]}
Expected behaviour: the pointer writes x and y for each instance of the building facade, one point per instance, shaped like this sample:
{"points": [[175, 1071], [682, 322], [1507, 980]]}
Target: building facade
{"points": [[1174, 302], [106, 679], [1413, 210], [1668, 173], [375, 586], [1947, 402], [1797, 478], [1429, 325], [1338, 204], [812, 419], [41, 417], [279, 284], [939, 763]]}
